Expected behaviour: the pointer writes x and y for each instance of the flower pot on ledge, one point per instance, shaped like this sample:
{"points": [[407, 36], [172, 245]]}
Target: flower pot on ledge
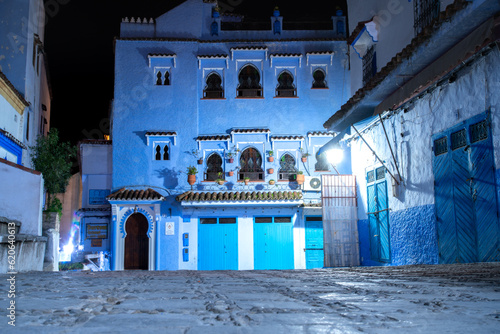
{"points": [[300, 178], [270, 170], [191, 179]]}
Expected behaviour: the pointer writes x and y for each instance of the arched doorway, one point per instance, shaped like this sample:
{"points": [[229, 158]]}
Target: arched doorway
{"points": [[136, 242]]}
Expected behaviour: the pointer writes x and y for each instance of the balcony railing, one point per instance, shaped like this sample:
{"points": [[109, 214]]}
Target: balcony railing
{"points": [[291, 92], [249, 92], [213, 94]]}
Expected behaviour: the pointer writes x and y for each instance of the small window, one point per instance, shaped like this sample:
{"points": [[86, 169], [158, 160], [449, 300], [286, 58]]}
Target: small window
{"points": [[227, 220], [319, 79], [285, 87], [282, 219], [163, 77], [287, 170], [479, 131], [249, 82], [214, 29], [369, 64], [370, 176], [214, 167], [380, 173], [260, 220], [321, 163], [213, 88], [440, 146], [162, 152], [208, 220], [458, 139]]}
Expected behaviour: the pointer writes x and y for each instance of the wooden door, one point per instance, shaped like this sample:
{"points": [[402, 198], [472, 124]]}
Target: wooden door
{"points": [[136, 242]]}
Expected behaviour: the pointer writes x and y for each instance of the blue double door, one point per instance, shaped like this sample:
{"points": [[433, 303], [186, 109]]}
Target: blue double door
{"points": [[218, 244], [273, 243], [465, 193]]}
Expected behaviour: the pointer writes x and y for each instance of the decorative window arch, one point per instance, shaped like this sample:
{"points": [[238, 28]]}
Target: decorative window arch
{"points": [[321, 162], [287, 170], [158, 152], [166, 154], [214, 29], [285, 87], [251, 165], [213, 88], [249, 82], [319, 79], [162, 151], [214, 167]]}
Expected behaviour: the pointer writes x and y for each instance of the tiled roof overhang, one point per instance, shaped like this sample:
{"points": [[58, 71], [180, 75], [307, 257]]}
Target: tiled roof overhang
{"points": [[241, 197], [454, 24], [135, 195]]}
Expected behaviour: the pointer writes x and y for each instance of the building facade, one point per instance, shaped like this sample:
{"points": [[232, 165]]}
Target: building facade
{"points": [[422, 126], [203, 93]]}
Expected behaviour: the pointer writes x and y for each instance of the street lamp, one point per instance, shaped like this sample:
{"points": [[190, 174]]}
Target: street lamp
{"points": [[334, 155]]}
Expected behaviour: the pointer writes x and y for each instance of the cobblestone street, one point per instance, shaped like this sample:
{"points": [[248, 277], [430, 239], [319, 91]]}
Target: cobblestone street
{"points": [[411, 299]]}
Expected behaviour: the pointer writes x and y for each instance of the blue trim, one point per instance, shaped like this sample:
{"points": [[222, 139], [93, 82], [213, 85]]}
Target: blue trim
{"points": [[12, 147], [131, 212]]}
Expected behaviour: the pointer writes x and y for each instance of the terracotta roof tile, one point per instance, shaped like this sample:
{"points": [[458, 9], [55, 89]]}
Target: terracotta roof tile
{"points": [[250, 131], [161, 133], [11, 86], [135, 195], [287, 137], [214, 137], [239, 196]]}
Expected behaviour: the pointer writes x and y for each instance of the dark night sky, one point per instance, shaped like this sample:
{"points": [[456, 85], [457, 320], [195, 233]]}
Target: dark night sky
{"points": [[79, 46]]}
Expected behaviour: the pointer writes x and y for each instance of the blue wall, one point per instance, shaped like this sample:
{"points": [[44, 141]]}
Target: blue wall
{"points": [[413, 237]]}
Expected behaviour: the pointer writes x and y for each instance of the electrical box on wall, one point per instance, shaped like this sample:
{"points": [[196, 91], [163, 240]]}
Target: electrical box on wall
{"points": [[185, 239], [185, 254]]}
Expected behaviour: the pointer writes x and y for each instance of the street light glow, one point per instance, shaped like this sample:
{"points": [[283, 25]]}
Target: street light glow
{"points": [[335, 156]]}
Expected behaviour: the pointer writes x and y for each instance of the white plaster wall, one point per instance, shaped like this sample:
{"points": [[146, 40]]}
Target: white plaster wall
{"points": [[21, 197], [9, 119], [96, 159], [394, 19], [475, 91]]}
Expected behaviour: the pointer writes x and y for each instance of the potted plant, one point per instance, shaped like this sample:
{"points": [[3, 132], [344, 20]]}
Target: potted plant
{"points": [[270, 153], [231, 154], [271, 181], [246, 179], [231, 172], [220, 178], [304, 154], [300, 177], [191, 171], [197, 155]]}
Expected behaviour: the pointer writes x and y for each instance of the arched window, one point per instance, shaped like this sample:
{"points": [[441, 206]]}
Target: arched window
{"points": [[214, 29], [287, 171], [321, 162], [249, 82], [167, 79], [277, 27], [158, 78], [213, 89], [214, 167], [158, 152], [165, 153], [285, 87], [319, 79], [251, 165]]}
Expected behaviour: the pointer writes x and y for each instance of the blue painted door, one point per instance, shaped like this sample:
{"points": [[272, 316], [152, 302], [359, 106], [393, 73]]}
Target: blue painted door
{"points": [[465, 193], [273, 243], [217, 244], [314, 243], [378, 215]]}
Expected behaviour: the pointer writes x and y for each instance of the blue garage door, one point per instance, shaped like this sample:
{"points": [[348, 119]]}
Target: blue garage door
{"points": [[314, 243], [218, 244], [273, 243], [465, 193]]}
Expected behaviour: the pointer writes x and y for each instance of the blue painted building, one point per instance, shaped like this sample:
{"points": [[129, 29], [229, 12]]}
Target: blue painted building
{"points": [[195, 87], [422, 126]]}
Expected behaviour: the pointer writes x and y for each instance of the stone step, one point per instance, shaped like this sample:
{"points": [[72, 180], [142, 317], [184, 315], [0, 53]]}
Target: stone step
{"points": [[6, 224]]}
